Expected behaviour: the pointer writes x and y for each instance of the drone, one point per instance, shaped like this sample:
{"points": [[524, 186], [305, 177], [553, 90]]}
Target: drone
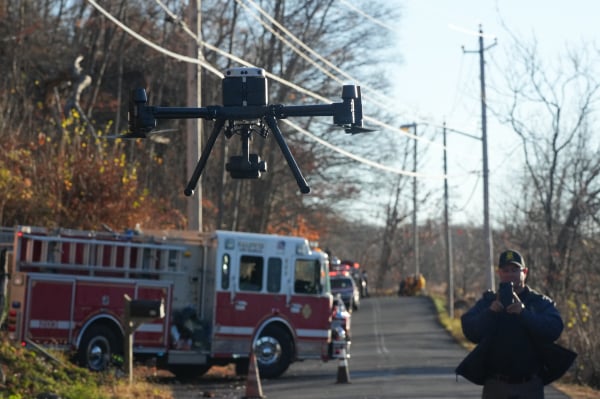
{"points": [[245, 110]]}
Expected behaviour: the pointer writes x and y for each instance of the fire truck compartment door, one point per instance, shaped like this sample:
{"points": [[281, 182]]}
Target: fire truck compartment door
{"points": [[45, 319]]}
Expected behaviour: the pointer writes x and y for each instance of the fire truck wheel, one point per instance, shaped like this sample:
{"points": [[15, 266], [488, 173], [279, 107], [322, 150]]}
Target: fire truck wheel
{"points": [[273, 351], [97, 348]]}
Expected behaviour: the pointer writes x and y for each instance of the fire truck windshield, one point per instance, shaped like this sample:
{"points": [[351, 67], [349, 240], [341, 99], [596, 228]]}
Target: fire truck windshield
{"points": [[309, 277]]}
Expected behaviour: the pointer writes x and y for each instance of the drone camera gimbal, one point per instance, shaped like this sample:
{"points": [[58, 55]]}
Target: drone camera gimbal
{"points": [[246, 111]]}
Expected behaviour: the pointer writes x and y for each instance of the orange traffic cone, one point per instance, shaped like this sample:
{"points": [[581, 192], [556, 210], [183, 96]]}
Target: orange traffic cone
{"points": [[343, 374], [253, 386]]}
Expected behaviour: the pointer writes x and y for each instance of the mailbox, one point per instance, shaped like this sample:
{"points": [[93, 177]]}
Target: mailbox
{"points": [[146, 309], [137, 312]]}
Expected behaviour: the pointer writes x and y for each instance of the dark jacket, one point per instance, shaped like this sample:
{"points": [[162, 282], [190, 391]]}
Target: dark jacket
{"points": [[516, 345]]}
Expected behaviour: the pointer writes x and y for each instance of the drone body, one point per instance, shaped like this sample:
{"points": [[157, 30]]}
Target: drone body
{"points": [[244, 87], [245, 108]]}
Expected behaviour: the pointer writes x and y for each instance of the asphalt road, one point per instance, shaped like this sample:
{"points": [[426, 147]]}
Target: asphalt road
{"points": [[399, 350]]}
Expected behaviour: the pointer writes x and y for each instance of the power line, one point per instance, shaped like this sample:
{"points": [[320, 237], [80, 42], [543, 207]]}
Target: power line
{"points": [[293, 85], [286, 82], [364, 160], [367, 16], [328, 63], [364, 87], [293, 37], [218, 73], [153, 45], [335, 68], [240, 60]]}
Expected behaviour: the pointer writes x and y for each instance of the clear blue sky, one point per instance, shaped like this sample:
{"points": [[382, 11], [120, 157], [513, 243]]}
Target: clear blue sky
{"points": [[437, 82]]}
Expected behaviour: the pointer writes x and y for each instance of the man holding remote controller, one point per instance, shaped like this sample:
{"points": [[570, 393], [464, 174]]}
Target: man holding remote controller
{"points": [[515, 330]]}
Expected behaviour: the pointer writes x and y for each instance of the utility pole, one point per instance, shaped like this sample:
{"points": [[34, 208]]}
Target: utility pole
{"points": [[449, 262], [486, 209], [449, 265], [415, 209], [194, 126]]}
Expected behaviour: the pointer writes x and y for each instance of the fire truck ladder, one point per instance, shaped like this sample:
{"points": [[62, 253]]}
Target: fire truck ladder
{"points": [[103, 254]]}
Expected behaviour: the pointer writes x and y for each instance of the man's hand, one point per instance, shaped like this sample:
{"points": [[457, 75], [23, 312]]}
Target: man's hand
{"points": [[496, 306], [516, 307]]}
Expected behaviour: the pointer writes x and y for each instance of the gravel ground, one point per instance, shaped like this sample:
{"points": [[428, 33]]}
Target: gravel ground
{"points": [[219, 382]]}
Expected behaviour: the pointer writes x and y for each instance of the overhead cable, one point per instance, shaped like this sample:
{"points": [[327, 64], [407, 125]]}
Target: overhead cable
{"points": [[364, 160], [273, 21], [153, 45], [288, 83], [232, 57], [367, 16], [219, 74]]}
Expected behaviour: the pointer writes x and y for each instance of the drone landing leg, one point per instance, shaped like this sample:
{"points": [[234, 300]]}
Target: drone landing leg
{"points": [[272, 123], [191, 186]]}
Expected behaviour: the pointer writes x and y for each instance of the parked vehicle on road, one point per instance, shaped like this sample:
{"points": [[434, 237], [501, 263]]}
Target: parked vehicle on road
{"points": [[346, 287], [352, 268]]}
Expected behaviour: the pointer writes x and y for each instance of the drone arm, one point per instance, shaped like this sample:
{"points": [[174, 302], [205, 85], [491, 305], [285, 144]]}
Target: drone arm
{"points": [[347, 113], [142, 118], [183, 112], [284, 111]]}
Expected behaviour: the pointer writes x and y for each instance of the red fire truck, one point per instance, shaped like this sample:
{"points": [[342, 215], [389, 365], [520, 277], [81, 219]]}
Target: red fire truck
{"points": [[225, 294]]}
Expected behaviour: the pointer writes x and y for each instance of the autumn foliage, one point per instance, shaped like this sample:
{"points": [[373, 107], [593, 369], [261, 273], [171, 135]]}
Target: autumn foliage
{"points": [[75, 180]]}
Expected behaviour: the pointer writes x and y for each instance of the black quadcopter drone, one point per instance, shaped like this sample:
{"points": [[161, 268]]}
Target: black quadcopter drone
{"points": [[246, 110]]}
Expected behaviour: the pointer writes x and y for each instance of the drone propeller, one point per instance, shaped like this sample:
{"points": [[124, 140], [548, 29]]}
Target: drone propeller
{"points": [[159, 139], [141, 135], [126, 136], [353, 129]]}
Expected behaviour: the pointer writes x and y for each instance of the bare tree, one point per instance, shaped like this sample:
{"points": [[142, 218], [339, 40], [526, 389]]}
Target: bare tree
{"points": [[552, 110], [395, 214], [274, 200]]}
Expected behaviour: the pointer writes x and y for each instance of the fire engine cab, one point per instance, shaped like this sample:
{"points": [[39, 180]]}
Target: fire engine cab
{"points": [[225, 294]]}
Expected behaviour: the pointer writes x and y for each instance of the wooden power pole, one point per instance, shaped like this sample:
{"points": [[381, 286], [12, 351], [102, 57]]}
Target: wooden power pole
{"points": [[194, 126], [487, 231]]}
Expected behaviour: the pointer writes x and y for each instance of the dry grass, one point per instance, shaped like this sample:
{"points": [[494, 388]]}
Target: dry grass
{"points": [[140, 390], [577, 391], [51, 371], [148, 382]]}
